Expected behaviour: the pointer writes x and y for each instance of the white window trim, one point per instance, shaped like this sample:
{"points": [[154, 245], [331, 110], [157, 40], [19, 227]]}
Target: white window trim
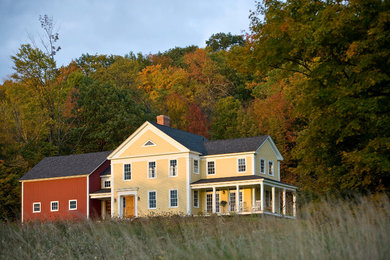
{"points": [[149, 199], [144, 145], [169, 168], [193, 166], [69, 204], [34, 207], [193, 199], [273, 168], [207, 168], [155, 169], [238, 165], [131, 172], [265, 166], [51, 206], [177, 196]]}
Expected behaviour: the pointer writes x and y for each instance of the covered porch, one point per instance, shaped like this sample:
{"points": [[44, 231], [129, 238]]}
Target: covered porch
{"points": [[102, 197], [249, 194]]}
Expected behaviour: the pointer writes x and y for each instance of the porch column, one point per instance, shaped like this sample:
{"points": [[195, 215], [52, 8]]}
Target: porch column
{"points": [[284, 202], [294, 206], [262, 196], [273, 200], [238, 198], [253, 198], [214, 208]]}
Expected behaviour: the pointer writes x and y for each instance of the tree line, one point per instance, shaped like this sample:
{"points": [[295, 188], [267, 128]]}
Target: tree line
{"points": [[312, 74]]}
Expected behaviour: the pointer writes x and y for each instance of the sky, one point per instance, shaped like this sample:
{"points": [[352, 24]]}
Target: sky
{"points": [[117, 27]]}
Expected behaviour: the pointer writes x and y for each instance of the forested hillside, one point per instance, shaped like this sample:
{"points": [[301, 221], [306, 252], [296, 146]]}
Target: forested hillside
{"points": [[312, 74]]}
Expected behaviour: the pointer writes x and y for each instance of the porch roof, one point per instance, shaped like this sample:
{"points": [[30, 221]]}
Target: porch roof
{"points": [[101, 191], [102, 194], [239, 179]]}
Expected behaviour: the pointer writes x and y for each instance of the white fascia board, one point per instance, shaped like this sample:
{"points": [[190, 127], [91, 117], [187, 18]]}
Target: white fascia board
{"points": [[274, 148], [119, 148]]}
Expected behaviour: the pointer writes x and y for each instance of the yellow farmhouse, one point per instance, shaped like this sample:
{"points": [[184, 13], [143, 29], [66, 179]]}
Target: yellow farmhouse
{"points": [[163, 170]]}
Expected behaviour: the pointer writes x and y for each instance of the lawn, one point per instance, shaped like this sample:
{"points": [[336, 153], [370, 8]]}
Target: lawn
{"points": [[323, 230]]}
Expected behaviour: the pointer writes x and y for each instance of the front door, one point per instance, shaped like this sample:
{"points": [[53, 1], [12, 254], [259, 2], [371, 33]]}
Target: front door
{"points": [[128, 206]]}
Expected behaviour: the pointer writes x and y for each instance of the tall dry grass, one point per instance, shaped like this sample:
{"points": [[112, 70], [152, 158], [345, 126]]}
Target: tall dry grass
{"points": [[325, 230]]}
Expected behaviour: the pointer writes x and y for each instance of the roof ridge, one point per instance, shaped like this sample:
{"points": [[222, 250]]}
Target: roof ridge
{"points": [[220, 140], [176, 129], [75, 154]]}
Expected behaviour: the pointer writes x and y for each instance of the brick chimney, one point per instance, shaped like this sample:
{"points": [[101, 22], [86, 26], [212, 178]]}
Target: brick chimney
{"points": [[164, 120]]}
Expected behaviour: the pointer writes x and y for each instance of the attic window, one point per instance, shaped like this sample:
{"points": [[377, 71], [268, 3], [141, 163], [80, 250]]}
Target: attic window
{"points": [[149, 143]]}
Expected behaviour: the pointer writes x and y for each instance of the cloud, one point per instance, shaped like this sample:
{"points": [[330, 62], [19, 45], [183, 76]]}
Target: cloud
{"points": [[118, 27]]}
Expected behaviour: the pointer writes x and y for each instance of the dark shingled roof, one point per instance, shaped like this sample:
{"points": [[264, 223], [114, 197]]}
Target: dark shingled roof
{"points": [[200, 144], [191, 141], [69, 165], [107, 171], [237, 178], [238, 145]]}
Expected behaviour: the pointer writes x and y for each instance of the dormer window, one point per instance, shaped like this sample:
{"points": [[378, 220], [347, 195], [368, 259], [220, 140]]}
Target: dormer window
{"points": [[107, 184], [149, 143]]}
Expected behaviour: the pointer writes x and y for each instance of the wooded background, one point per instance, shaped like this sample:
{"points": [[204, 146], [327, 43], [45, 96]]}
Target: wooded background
{"points": [[312, 74]]}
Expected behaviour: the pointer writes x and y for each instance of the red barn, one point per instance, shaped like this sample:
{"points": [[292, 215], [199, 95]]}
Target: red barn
{"points": [[59, 187]]}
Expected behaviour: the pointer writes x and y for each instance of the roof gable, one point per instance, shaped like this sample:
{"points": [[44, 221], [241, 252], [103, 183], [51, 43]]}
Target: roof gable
{"points": [[69, 165], [273, 147], [134, 145]]}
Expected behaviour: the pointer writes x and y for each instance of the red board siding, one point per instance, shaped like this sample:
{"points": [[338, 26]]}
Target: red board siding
{"points": [[95, 185], [61, 190]]}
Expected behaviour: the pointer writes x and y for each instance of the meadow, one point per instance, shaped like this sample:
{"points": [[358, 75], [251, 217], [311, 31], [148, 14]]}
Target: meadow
{"points": [[330, 229]]}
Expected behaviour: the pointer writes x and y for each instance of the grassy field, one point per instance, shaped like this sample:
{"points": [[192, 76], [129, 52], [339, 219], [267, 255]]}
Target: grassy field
{"points": [[325, 230]]}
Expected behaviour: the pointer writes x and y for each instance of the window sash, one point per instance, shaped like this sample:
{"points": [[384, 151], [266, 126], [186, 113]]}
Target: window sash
{"points": [[107, 184], [54, 206], [152, 199], [196, 199], [262, 166], [209, 203], [196, 166], [241, 165], [72, 204], [216, 202], [152, 169], [210, 168], [271, 168], [173, 168], [173, 201], [36, 207], [127, 172]]}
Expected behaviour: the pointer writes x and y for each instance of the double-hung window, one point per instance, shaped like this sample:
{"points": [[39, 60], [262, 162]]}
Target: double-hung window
{"points": [[152, 170], [241, 165], [54, 206], [172, 168], [271, 168], [36, 207], [211, 168], [152, 200], [72, 204], [196, 166], [127, 172], [173, 199], [262, 166], [196, 199]]}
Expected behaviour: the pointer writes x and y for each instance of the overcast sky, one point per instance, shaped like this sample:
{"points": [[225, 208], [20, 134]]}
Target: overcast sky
{"points": [[118, 27]]}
